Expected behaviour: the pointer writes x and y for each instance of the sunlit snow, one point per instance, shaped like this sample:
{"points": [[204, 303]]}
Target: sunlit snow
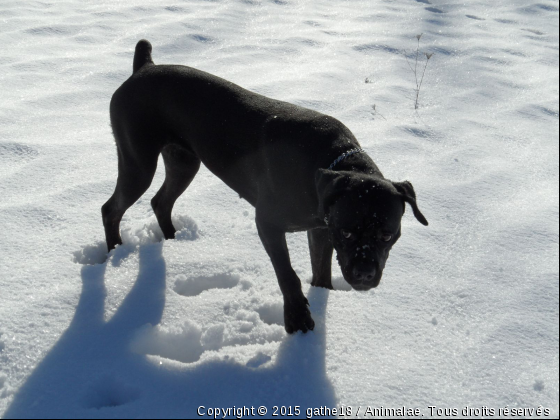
{"points": [[467, 312]]}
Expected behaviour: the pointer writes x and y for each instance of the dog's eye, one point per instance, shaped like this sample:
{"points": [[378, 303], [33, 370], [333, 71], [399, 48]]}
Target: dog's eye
{"points": [[386, 237], [347, 234]]}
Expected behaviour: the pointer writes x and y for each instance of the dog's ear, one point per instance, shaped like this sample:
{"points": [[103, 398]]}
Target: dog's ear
{"points": [[406, 191], [330, 185]]}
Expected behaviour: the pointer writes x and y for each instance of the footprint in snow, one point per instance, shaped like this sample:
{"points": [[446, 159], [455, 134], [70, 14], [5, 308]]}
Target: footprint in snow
{"points": [[188, 343], [181, 344], [272, 314], [194, 286]]}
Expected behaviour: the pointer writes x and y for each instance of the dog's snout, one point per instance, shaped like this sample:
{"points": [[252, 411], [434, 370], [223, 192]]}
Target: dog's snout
{"points": [[364, 273]]}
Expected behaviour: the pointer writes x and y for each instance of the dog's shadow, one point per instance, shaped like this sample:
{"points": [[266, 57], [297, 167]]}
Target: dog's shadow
{"points": [[91, 372]]}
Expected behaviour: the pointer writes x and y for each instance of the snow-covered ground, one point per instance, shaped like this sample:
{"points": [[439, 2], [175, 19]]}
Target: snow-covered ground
{"points": [[467, 312]]}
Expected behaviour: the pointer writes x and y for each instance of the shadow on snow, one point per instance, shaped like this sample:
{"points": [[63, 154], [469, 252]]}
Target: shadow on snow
{"points": [[92, 373]]}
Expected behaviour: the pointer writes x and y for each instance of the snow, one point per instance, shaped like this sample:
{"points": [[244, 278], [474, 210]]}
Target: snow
{"points": [[467, 312]]}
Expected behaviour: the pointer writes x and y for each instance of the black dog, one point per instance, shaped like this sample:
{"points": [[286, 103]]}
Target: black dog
{"points": [[302, 170]]}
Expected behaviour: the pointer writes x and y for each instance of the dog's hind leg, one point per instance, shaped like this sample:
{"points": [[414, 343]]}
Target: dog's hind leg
{"points": [[181, 167], [321, 251], [135, 176]]}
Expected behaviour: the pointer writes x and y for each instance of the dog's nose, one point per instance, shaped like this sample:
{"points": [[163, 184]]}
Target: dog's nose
{"points": [[364, 273]]}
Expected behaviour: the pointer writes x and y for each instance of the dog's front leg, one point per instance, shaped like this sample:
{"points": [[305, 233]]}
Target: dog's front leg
{"points": [[321, 251], [297, 316]]}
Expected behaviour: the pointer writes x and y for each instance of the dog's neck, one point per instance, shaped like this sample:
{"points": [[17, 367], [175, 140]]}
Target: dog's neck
{"points": [[354, 160], [344, 156]]}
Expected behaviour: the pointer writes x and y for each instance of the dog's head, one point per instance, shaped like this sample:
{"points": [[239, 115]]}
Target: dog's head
{"points": [[363, 214]]}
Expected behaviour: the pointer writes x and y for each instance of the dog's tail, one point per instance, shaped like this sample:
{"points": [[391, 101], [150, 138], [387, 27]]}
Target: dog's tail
{"points": [[142, 55]]}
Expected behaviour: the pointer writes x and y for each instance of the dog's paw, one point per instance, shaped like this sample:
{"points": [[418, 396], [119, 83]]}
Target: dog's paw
{"points": [[297, 317]]}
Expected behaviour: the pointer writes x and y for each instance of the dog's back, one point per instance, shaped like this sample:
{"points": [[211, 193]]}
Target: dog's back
{"points": [[186, 102], [236, 133]]}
